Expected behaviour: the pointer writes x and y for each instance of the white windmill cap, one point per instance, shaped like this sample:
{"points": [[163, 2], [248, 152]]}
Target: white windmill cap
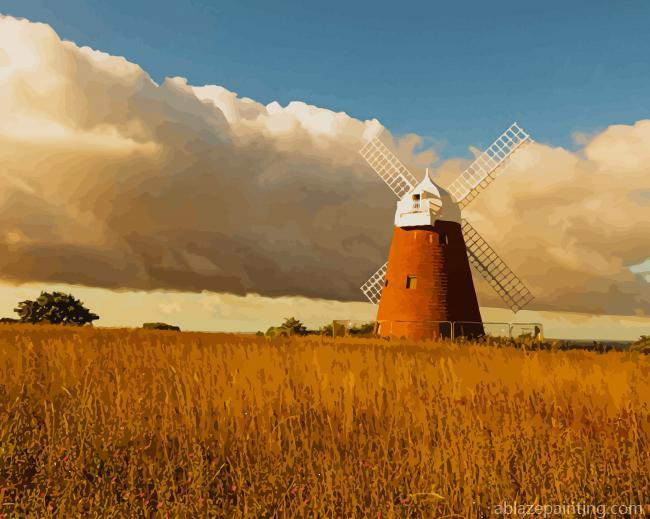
{"points": [[427, 185], [424, 204]]}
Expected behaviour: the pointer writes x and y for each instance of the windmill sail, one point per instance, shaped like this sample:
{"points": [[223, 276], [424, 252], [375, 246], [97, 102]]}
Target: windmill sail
{"points": [[388, 167], [494, 270], [373, 287], [486, 167]]}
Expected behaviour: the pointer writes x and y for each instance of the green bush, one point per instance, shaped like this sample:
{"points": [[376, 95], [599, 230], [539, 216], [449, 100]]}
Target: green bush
{"points": [[290, 326], [642, 345], [327, 329], [161, 326], [277, 331], [364, 329]]}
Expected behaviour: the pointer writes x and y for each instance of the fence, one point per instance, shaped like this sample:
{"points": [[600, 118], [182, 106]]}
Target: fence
{"points": [[437, 329], [419, 329]]}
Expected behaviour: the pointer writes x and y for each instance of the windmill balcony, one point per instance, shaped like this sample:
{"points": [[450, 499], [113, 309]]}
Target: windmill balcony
{"points": [[417, 212], [422, 206]]}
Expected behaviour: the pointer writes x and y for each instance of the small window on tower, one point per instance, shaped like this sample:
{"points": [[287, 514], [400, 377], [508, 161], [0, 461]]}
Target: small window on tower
{"points": [[442, 239], [386, 282], [416, 197], [411, 282]]}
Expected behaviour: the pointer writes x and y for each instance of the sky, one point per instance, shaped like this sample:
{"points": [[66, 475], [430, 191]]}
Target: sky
{"points": [[456, 73], [231, 205]]}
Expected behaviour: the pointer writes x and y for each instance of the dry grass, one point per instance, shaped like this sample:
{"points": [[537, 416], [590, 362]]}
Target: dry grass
{"points": [[135, 423]]}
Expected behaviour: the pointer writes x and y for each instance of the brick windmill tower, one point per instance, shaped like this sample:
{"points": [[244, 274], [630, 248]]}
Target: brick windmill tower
{"points": [[427, 282]]}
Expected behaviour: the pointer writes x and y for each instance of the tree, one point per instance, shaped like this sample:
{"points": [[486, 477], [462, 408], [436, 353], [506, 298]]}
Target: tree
{"points": [[294, 326], [290, 326], [55, 308], [642, 345]]}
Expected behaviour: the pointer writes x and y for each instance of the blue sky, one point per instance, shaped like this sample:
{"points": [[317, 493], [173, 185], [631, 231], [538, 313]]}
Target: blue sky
{"points": [[455, 72]]}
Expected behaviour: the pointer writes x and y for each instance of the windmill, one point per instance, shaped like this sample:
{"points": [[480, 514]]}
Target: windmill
{"points": [[427, 279]]}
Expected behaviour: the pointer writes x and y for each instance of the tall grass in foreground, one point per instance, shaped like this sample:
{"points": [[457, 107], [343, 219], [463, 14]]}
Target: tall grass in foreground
{"points": [[133, 422]]}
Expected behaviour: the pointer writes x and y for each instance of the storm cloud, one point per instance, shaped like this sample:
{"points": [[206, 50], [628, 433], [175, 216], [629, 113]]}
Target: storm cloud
{"points": [[111, 180]]}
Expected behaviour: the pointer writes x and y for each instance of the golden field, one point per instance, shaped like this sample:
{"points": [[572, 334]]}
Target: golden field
{"points": [[115, 423]]}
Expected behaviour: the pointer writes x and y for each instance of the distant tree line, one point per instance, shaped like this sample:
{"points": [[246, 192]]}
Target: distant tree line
{"points": [[292, 327]]}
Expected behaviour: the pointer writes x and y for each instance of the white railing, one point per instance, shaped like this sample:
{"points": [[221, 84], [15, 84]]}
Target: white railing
{"points": [[423, 206], [453, 330], [417, 212]]}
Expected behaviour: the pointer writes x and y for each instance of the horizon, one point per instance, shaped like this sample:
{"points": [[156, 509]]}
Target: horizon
{"points": [[211, 312]]}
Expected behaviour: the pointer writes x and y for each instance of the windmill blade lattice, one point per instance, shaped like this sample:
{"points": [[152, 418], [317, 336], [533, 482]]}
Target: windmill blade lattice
{"points": [[494, 270], [486, 167], [373, 287], [388, 167]]}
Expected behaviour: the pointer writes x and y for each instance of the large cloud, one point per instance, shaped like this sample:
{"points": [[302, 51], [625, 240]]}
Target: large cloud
{"points": [[109, 179], [573, 223]]}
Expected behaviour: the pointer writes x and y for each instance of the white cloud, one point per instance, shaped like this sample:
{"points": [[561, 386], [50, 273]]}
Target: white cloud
{"points": [[170, 308]]}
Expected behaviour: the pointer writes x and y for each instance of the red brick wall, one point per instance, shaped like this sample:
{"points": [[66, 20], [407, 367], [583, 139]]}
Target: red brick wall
{"points": [[444, 292]]}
